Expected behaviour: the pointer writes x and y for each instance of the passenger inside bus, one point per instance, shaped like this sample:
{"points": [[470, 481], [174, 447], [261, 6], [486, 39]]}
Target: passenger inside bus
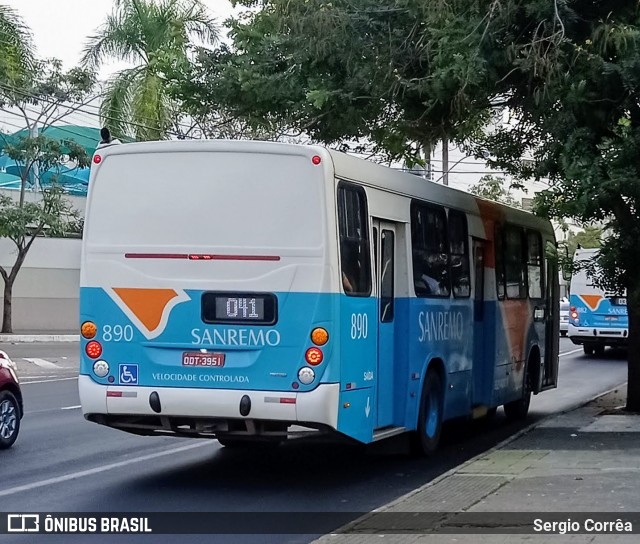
{"points": [[346, 284], [429, 275]]}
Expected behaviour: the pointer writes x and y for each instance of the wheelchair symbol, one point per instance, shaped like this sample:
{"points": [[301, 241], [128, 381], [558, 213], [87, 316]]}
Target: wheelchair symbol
{"points": [[128, 374]]}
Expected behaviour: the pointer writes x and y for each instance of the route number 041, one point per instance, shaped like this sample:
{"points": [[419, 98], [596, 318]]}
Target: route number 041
{"points": [[359, 326]]}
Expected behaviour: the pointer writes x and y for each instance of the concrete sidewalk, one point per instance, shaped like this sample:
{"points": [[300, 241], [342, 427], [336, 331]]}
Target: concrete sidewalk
{"points": [[20, 337], [578, 466]]}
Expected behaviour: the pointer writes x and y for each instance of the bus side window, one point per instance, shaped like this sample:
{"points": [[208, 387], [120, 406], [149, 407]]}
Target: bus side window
{"points": [[459, 246], [514, 263], [499, 248], [534, 264], [354, 240], [430, 250]]}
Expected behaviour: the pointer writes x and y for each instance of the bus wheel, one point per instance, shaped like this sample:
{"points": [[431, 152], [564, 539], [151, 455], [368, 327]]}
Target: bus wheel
{"points": [[518, 409], [588, 350], [598, 351], [426, 438]]}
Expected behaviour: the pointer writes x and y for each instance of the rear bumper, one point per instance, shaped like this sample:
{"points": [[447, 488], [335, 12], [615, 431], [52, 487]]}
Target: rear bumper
{"points": [[609, 336], [122, 406]]}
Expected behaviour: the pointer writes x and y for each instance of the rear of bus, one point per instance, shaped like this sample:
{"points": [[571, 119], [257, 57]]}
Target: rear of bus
{"points": [[206, 290], [597, 319]]}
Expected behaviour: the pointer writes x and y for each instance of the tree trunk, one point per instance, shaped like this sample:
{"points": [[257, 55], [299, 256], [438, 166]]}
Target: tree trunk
{"points": [[6, 312], [633, 353]]}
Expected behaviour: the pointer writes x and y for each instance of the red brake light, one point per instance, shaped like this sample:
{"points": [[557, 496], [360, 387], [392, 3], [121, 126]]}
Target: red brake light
{"points": [[93, 349], [314, 356]]}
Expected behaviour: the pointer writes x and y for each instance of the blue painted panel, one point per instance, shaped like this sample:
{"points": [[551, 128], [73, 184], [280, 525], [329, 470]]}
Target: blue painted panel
{"points": [[256, 357], [605, 315], [357, 413], [269, 357]]}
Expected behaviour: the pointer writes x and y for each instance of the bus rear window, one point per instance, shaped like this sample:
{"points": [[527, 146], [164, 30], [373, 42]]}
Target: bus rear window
{"points": [[193, 200]]}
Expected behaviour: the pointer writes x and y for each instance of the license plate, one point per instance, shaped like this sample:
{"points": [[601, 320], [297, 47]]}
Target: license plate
{"points": [[197, 358]]}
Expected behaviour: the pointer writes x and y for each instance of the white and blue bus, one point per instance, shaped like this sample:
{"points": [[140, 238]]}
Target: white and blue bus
{"points": [[247, 291], [597, 318]]}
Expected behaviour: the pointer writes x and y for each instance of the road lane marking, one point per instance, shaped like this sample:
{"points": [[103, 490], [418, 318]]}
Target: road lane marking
{"points": [[71, 407], [98, 470], [570, 352], [42, 363], [22, 382]]}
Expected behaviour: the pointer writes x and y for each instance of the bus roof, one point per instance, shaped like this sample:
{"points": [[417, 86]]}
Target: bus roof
{"points": [[346, 167]]}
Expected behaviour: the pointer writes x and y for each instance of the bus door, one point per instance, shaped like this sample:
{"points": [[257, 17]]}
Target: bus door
{"points": [[552, 326], [384, 237], [480, 370]]}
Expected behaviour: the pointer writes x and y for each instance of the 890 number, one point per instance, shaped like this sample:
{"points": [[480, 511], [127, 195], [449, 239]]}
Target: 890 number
{"points": [[359, 326], [117, 333]]}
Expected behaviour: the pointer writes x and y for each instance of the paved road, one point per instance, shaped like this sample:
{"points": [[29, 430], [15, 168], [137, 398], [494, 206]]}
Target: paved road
{"points": [[63, 463]]}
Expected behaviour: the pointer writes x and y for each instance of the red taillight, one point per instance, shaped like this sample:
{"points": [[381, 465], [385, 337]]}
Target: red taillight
{"points": [[316, 160], [97, 159], [574, 313], [93, 349], [314, 356]]}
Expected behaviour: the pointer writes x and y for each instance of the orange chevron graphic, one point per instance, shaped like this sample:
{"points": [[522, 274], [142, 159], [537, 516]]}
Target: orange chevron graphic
{"points": [[517, 320], [146, 304], [591, 300]]}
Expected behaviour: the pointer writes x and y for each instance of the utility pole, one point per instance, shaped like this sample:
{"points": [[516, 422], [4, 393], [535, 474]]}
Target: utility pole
{"points": [[445, 160]]}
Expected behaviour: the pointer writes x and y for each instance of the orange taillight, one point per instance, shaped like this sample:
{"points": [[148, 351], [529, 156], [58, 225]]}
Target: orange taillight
{"points": [[88, 330], [319, 336]]}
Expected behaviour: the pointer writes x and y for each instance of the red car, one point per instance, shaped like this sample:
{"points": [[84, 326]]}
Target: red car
{"points": [[10, 402]]}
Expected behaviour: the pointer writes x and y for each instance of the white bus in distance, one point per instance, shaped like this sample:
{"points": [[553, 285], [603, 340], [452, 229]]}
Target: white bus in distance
{"points": [[597, 319]]}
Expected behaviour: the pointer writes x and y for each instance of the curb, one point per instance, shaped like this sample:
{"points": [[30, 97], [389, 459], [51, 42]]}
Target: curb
{"points": [[345, 528], [30, 338]]}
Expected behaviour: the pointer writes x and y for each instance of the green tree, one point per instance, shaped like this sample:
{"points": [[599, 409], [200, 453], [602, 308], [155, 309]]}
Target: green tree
{"points": [[569, 73], [492, 188], [52, 215], [153, 35], [365, 71], [43, 100], [16, 48], [405, 71], [589, 237]]}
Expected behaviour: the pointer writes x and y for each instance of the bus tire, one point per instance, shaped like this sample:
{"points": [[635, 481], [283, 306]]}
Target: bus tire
{"points": [[518, 409], [598, 351], [427, 436], [588, 350]]}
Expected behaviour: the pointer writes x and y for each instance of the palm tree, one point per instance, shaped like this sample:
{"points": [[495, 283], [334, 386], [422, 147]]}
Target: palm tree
{"points": [[16, 51], [150, 34]]}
